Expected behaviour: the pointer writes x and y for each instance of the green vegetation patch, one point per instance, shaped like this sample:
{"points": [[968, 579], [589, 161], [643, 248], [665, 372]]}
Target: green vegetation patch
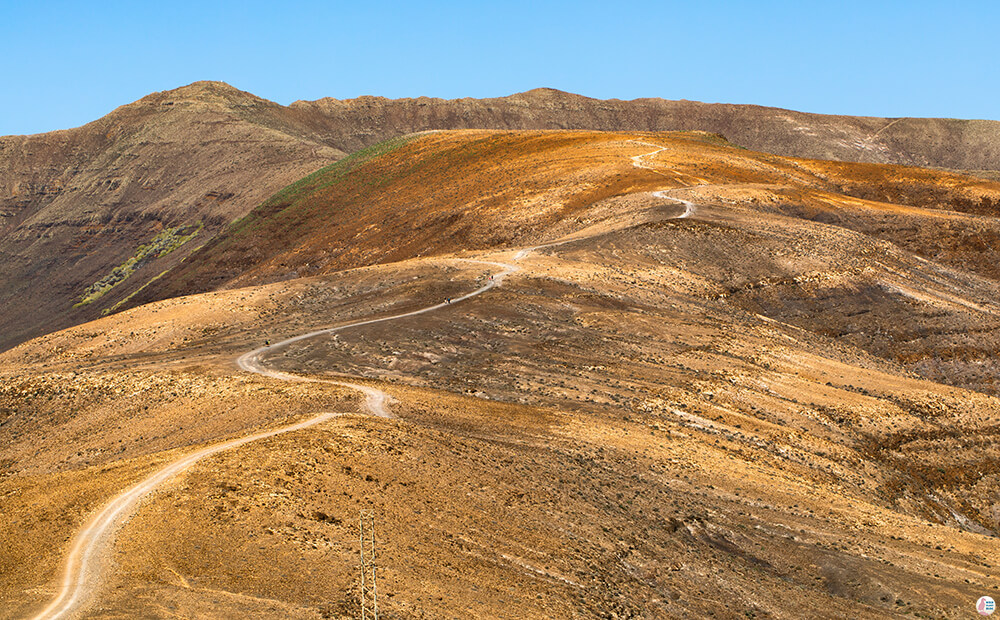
{"points": [[121, 303], [162, 244], [716, 139], [317, 181]]}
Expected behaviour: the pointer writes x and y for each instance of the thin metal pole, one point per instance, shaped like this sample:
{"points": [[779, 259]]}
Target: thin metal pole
{"points": [[374, 583], [369, 585], [361, 529]]}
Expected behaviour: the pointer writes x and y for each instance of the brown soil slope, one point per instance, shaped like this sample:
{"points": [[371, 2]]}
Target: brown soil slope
{"points": [[943, 143], [719, 415], [441, 193], [76, 204]]}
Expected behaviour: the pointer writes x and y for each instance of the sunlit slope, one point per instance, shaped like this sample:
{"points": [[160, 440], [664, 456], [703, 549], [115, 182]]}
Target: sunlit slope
{"points": [[599, 430], [440, 192], [781, 401], [425, 194], [844, 249]]}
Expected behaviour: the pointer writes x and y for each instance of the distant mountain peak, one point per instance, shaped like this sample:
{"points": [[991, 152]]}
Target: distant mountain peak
{"points": [[546, 94], [206, 91], [545, 91], [208, 85]]}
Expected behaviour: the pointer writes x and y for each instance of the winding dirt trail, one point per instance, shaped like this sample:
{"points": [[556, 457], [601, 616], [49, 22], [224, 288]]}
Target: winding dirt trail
{"points": [[251, 362], [639, 162], [688, 205], [82, 570]]}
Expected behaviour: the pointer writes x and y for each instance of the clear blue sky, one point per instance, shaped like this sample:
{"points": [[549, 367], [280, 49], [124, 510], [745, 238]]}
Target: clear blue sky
{"points": [[67, 63]]}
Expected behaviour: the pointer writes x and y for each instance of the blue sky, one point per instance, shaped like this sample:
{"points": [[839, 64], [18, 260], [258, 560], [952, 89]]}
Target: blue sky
{"points": [[67, 63]]}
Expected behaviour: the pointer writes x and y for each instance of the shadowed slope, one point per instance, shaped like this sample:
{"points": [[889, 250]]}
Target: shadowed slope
{"points": [[655, 416], [76, 205]]}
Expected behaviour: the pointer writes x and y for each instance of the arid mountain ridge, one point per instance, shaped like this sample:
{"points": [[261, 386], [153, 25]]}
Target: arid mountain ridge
{"points": [[76, 204], [88, 216], [713, 382], [931, 142]]}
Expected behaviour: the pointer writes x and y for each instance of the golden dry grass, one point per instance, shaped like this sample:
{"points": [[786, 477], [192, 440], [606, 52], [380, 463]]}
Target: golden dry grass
{"points": [[750, 413]]}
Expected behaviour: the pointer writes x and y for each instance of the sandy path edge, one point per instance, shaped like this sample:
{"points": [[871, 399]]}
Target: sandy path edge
{"points": [[82, 575]]}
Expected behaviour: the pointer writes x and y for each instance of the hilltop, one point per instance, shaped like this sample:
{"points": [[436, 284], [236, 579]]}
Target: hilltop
{"points": [[708, 375], [934, 142], [76, 205], [448, 192], [89, 216]]}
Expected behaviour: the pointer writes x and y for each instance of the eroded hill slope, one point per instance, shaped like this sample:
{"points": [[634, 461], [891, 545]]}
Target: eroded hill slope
{"points": [[850, 261], [718, 382], [942, 143], [89, 215]]}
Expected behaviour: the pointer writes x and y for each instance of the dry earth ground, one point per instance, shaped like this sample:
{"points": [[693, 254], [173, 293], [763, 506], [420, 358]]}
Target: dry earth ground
{"points": [[662, 418]]}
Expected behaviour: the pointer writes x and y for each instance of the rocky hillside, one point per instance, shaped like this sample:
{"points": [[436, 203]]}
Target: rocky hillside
{"points": [[943, 143], [706, 382], [89, 216], [841, 263]]}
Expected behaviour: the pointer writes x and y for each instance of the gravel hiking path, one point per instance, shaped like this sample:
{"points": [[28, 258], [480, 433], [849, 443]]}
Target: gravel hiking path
{"points": [[82, 570]]}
